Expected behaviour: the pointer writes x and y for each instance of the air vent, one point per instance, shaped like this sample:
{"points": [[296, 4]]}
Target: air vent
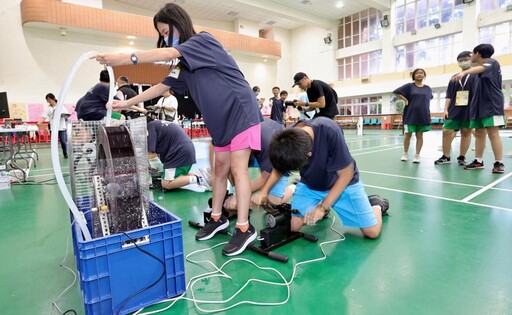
{"points": [[306, 2], [232, 13], [270, 22]]}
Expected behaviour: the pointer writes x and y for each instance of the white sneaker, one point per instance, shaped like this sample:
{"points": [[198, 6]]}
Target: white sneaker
{"points": [[416, 158], [405, 157], [204, 181]]}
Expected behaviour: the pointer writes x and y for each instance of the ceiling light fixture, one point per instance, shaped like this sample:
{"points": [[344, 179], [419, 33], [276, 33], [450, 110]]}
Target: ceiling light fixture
{"points": [[339, 5]]}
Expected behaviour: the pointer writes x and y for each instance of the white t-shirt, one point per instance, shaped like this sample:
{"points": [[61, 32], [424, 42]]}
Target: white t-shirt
{"points": [[169, 101], [48, 115]]}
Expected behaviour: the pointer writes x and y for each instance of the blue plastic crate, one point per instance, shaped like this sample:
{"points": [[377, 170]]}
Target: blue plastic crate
{"points": [[110, 271]]}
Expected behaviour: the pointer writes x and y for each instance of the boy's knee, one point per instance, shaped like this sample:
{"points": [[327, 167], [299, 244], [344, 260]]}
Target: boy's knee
{"points": [[371, 232]]}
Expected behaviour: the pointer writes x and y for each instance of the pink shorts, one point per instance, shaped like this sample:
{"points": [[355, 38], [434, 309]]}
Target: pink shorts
{"points": [[249, 138]]}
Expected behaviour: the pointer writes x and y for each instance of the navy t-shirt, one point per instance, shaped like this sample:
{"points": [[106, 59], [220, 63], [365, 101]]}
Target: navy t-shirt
{"points": [[171, 143], [460, 113], [277, 110], [92, 105], [218, 87], [318, 89], [418, 110], [329, 155], [269, 127], [488, 100]]}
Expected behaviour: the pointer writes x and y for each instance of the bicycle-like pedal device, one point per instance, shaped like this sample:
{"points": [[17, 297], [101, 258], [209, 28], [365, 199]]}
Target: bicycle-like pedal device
{"points": [[207, 215], [278, 232]]}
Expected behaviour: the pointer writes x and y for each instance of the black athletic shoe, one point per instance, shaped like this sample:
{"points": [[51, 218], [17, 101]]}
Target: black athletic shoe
{"points": [[442, 160], [475, 165], [498, 168], [239, 241], [211, 228], [376, 200], [461, 160]]}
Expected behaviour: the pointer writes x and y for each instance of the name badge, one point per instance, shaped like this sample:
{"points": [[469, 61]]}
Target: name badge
{"points": [[175, 73], [462, 98]]}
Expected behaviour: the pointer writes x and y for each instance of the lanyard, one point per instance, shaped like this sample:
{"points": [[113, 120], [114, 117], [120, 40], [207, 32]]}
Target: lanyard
{"points": [[460, 82]]}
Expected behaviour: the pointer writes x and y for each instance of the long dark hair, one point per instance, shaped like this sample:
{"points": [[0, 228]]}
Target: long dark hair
{"points": [[174, 16]]}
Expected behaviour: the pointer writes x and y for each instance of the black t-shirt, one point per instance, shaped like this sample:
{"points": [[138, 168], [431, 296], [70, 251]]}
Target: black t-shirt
{"points": [[277, 109], [92, 105], [488, 100], [460, 113], [269, 127], [418, 110], [218, 87], [127, 91], [318, 89], [329, 155], [171, 143]]}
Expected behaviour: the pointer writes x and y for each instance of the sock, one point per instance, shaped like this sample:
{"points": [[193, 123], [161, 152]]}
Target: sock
{"points": [[479, 160], [216, 216], [193, 179], [499, 161], [243, 227]]}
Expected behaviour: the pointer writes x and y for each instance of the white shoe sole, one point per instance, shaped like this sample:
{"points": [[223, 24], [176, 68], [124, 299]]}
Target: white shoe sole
{"points": [[244, 246]]}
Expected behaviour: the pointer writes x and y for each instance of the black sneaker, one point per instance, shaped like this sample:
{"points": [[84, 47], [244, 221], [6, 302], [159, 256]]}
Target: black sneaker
{"points": [[442, 160], [376, 200], [498, 168], [211, 228], [461, 160], [475, 165], [239, 241]]}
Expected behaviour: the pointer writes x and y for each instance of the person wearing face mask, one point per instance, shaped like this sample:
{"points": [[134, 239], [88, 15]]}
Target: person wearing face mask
{"points": [[230, 110], [456, 111], [256, 90], [486, 107]]}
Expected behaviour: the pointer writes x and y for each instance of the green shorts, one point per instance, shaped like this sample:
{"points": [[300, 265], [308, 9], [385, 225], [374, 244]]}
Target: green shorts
{"points": [[416, 128], [492, 121], [455, 124], [173, 173]]}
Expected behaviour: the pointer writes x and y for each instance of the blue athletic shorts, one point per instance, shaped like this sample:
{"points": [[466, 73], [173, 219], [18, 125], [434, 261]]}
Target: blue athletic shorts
{"points": [[352, 206], [279, 187]]}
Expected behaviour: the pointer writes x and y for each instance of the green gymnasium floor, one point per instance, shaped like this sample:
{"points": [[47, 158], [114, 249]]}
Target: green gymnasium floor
{"points": [[446, 247]]}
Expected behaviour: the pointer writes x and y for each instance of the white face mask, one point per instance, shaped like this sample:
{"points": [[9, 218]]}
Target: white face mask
{"points": [[465, 64], [256, 93]]}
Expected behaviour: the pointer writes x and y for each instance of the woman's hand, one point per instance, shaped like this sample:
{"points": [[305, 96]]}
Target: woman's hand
{"points": [[112, 59], [119, 105]]}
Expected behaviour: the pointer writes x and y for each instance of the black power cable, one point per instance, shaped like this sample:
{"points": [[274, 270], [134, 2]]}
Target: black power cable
{"points": [[149, 286]]}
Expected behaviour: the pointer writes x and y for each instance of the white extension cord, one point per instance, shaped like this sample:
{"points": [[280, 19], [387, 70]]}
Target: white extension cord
{"points": [[218, 272]]}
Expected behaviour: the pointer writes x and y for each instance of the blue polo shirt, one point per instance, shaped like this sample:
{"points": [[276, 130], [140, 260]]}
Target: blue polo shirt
{"points": [[171, 143], [468, 83], [218, 87], [418, 110], [269, 127], [329, 154], [488, 100]]}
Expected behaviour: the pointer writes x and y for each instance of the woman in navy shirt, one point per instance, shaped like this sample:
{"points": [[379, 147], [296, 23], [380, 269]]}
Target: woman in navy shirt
{"points": [[416, 116], [201, 66]]}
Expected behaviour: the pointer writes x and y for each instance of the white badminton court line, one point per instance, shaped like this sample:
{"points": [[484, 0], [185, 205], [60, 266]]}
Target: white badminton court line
{"points": [[441, 198], [484, 189], [375, 147], [432, 180], [376, 151]]}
